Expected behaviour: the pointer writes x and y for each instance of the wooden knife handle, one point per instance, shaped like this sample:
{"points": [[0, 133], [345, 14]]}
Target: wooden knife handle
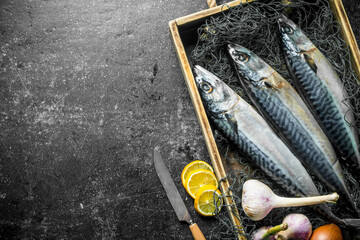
{"points": [[196, 232]]}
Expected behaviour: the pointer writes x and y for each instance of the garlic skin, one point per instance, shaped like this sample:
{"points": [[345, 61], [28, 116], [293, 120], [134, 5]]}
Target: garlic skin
{"points": [[299, 227], [258, 200], [268, 233], [256, 204], [259, 233]]}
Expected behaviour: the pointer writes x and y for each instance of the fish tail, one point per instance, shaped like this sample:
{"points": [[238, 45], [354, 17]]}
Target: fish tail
{"points": [[351, 223], [355, 161], [351, 201], [346, 223], [342, 186]]}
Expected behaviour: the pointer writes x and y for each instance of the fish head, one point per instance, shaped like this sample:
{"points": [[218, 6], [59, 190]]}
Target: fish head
{"points": [[249, 66], [216, 95], [292, 37]]}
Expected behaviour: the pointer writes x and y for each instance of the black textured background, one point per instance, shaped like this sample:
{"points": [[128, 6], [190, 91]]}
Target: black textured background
{"points": [[87, 89]]}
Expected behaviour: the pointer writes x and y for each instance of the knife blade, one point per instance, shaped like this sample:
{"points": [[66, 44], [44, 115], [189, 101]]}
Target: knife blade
{"points": [[174, 196]]}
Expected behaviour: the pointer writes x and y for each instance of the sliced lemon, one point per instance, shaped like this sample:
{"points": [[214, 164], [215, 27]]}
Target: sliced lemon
{"points": [[198, 178], [194, 165], [208, 201]]}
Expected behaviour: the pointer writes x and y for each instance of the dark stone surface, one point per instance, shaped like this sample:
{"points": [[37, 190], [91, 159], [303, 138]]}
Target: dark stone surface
{"points": [[87, 89]]}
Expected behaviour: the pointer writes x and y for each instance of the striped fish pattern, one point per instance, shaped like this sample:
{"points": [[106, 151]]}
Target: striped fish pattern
{"points": [[245, 128], [284, 109], [321, 89]]}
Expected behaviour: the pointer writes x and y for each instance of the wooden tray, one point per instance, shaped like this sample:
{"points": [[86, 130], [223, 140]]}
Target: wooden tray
{"points": [[184, 35]]}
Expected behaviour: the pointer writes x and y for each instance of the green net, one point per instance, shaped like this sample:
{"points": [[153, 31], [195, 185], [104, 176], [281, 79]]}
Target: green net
{"points": [[254, 25]]}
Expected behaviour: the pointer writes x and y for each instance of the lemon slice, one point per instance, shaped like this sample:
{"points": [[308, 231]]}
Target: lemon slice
{"points": [[198, 178], [194, 165], [208, 201]]}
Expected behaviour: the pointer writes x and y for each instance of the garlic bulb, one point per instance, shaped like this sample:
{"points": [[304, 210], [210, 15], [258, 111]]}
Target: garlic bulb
{"points": [[268, 233], [258, 200], [299, 227]]}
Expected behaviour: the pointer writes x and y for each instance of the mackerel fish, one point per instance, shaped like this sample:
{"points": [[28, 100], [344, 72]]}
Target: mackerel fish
{"points": [[241, 124], [321, 88], [289, 116]]}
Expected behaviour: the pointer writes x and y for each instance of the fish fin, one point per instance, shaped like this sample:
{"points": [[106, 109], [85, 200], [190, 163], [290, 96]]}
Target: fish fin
{"points": [[311, 62], [232, 122], [269, 84]]}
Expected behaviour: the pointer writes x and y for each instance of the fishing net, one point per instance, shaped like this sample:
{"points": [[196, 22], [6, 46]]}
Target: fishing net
{"points": [[254, 25]]}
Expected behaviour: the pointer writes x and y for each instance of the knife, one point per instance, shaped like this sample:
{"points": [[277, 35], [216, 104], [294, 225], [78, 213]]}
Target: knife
{"points": [[174, 196]]}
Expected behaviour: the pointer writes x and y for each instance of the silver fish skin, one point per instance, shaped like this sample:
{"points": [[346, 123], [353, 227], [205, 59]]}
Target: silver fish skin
{"points": [[289, 116], [241, 124], [321, 88]]}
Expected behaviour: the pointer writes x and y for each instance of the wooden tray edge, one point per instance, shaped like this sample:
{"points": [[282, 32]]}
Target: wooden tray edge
{"points": [[346, 33], [205, 127]]}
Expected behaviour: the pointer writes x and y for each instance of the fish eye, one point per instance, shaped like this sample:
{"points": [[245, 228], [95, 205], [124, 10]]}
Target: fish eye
{"points": [[206, 87], [243, 57], [287, 29]]}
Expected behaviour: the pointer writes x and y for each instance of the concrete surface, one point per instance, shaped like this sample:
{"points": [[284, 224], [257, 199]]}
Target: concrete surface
{"points": [[87, 89]]}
